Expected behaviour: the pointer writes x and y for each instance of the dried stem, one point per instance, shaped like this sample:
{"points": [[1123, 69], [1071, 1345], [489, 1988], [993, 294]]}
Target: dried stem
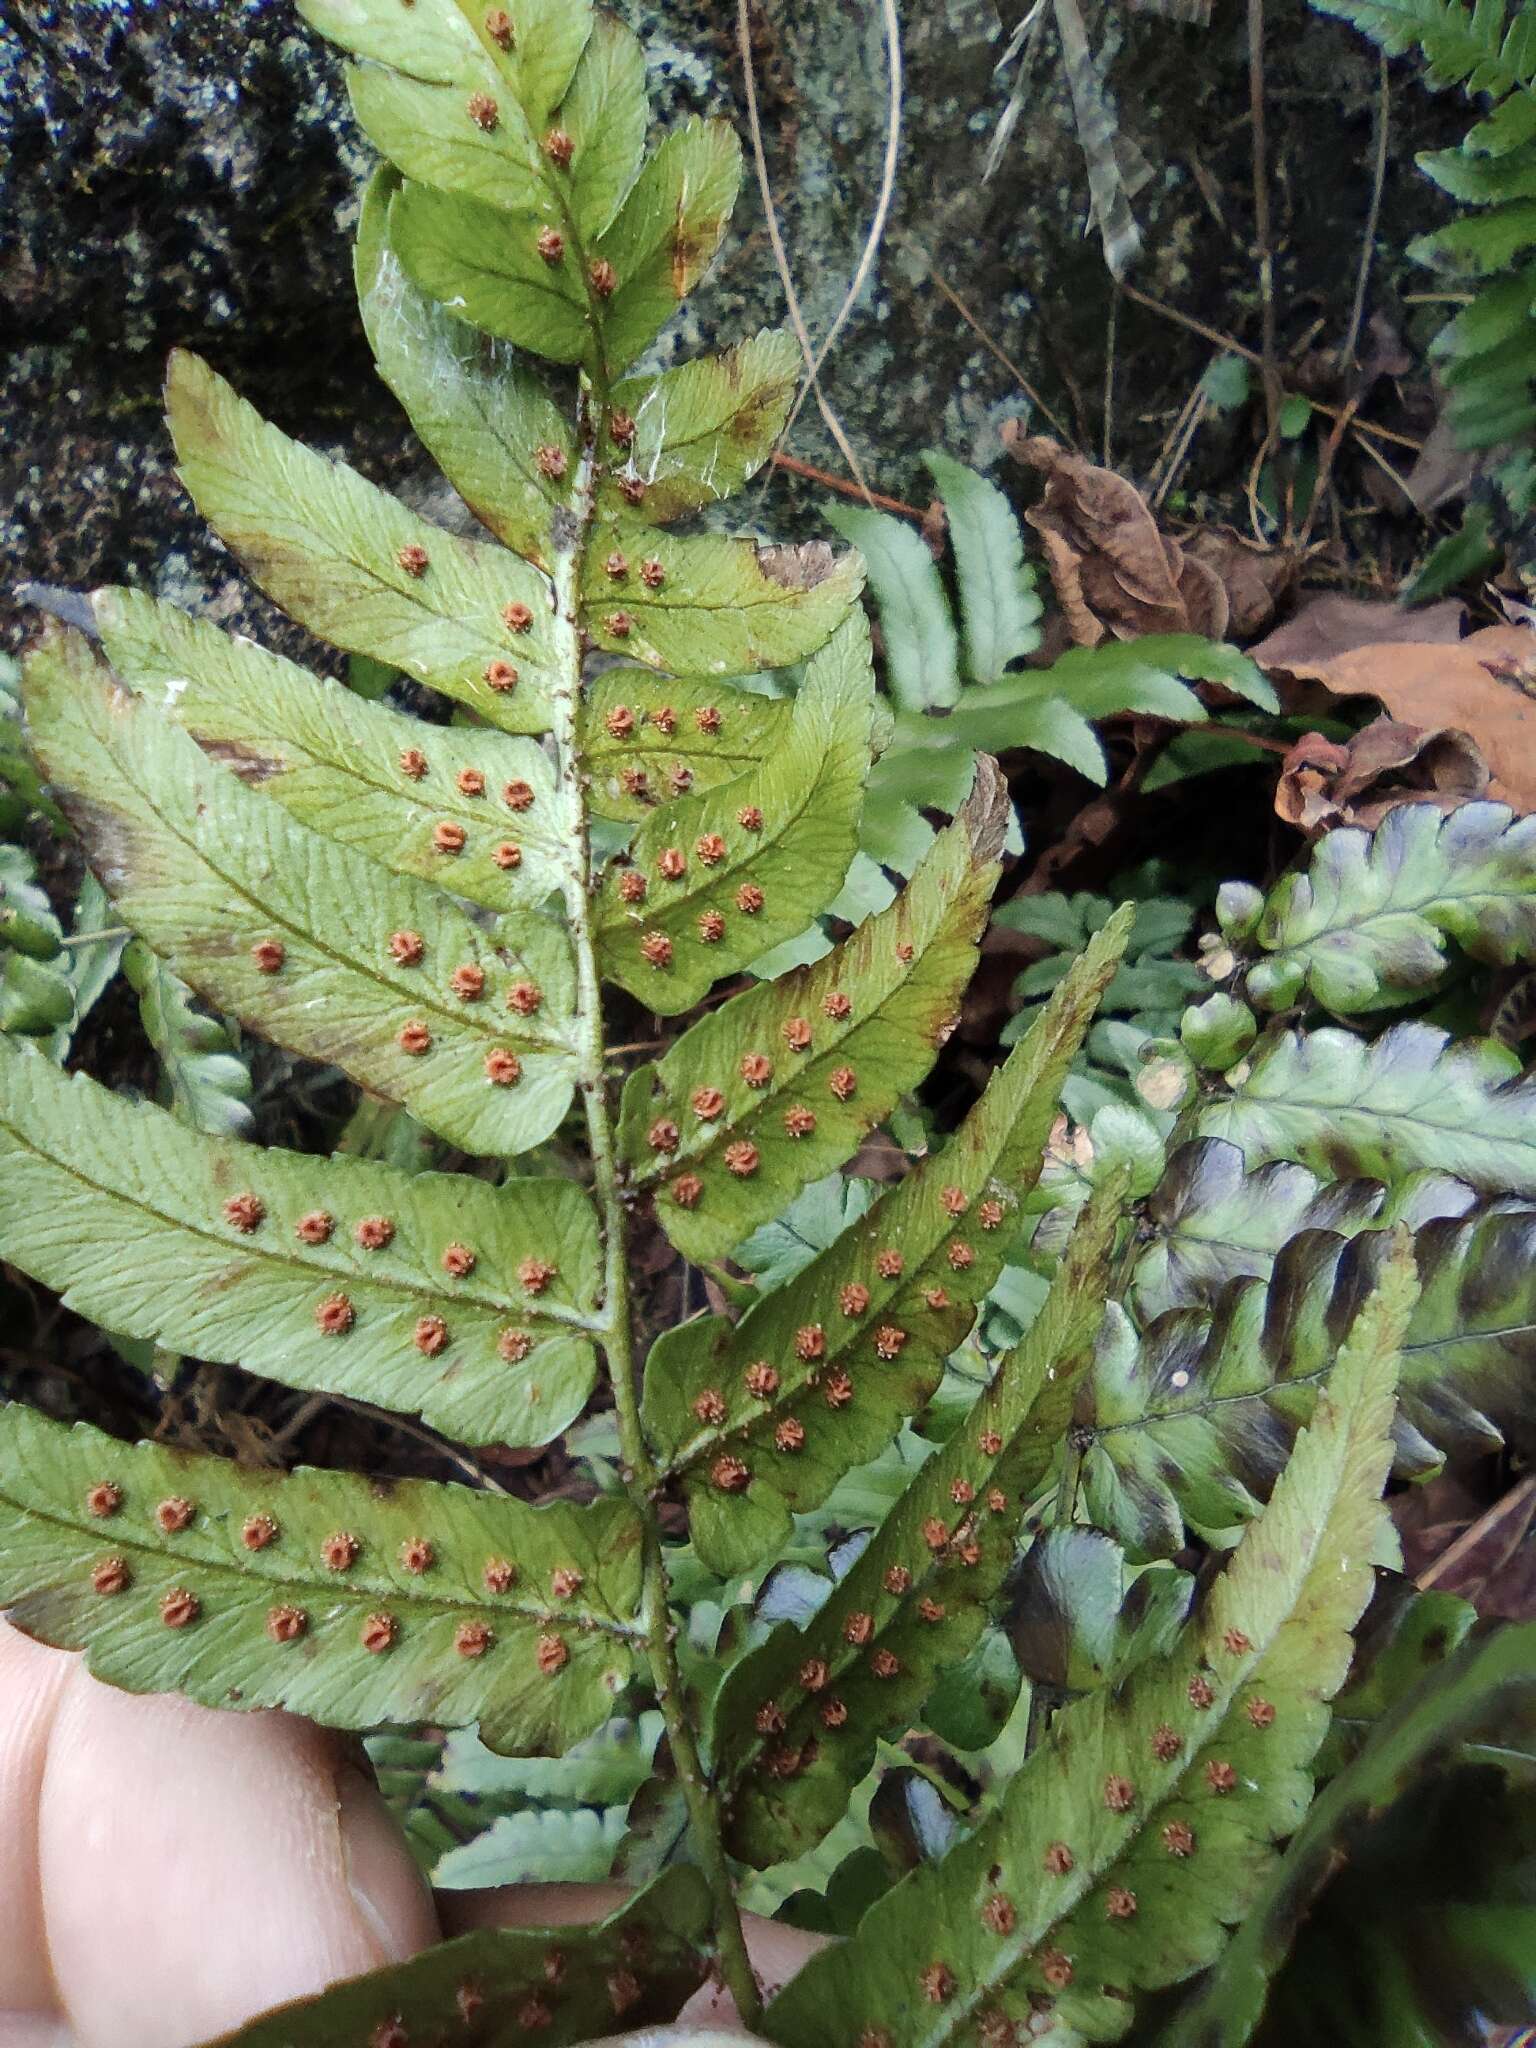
{"points": [[833, 424], [1236, 348], [640, 1475], [1261, 221], [1373, 217]]}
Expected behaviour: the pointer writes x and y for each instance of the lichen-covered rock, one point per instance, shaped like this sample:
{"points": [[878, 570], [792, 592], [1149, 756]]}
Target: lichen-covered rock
{"points": [[186, 172]]}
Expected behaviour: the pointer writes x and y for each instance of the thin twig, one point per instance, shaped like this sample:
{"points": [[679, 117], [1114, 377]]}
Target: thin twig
{"points": [[795, 467], [1174, 452], [936, 277], [1111, 350], [1519, 1498], [454, 1453], [1373, 217], [1249, 355], [1261, 222], [834, 425], [1325, 469], [882, 211], [115, 931]]}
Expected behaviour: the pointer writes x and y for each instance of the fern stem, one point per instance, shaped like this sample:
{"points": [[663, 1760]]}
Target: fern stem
{"points": [[617, 1334]]}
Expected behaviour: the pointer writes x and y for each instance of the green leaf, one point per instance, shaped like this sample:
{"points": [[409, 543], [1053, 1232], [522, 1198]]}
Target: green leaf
{"points": [[922, 650], [206, 870], [940, 1235], [703, 605], [637, 1968], [1210, 1221], [1078, 1620], [1147, 675], [1227, 383], [806, 796], [481, 413], [785, 1247], [1481, 244], [327, 546], [484, 267], [1365, 927], [432, 133], [488, 267], [333, 760], [1074, 1895], [1192, 1421], [27, 922], [798, 1719], [37, 995], [247, 1547], [468, 134], [998, 599], [91, 961], [877, 1008], [552, 1821], [1429, 1928], [1486, 1688], [123, 1210], [644, 739], [1384, 1107], [604, 114], [209, 1083], [446, 41], [703, 428], [1403, 1636], [666, 235]]}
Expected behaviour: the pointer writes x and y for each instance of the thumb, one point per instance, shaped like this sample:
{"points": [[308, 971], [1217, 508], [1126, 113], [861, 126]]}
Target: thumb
{"points": [[197, 1867]]}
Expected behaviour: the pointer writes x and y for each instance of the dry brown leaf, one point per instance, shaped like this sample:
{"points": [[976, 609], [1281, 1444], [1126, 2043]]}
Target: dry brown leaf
{"points": [[1323, 784], [1254, 578], [1479, 685], [1328, 626], [1112, 568], [1116, 572]]}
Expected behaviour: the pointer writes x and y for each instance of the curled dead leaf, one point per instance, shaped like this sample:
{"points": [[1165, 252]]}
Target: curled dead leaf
{"points": [[1116, 572], [1481, 686], [1323, 784]]}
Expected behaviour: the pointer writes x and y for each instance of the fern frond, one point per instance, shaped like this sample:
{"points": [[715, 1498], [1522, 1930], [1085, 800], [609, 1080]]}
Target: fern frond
{"points": [[1365, 927], [878, 1006], [760, 1420], [729, 872], [798, 1720], [334, 762], [635, 1968], [1142, 1826], [1384, 1107], [317, 1591], [647, 740], [1190, 1421], [350, 562], [319, 1273], [296, 935]]}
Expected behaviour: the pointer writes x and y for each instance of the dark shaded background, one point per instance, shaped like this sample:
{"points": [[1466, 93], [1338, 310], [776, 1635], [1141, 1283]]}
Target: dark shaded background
{"points": [[186, 172]]}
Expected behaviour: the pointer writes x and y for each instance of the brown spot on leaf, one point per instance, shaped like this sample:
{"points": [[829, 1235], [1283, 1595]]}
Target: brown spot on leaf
{"points": [[378, 1634], [179, 1608]]}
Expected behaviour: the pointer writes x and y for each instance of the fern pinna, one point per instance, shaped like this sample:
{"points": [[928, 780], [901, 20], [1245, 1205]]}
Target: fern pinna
{"points": [[434, 908]]}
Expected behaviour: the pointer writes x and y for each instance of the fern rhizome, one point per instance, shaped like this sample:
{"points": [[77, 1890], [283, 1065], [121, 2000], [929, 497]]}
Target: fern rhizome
{"points": [[434, 908]]}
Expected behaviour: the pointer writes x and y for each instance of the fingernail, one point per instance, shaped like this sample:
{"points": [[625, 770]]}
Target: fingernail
{"points": [[390, 1894]]}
